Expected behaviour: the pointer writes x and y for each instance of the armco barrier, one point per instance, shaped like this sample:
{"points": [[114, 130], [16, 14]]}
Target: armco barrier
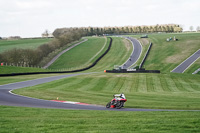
{"points": [[142, 63], [78, 70]]}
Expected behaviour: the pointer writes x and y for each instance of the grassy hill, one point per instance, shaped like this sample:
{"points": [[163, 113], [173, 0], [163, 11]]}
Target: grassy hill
{"points": [[119, 53], [82, 55], [22, 43], [165, 56]]}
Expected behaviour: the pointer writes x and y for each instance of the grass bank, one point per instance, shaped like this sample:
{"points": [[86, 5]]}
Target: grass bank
{"points": [[165, 56], [81, 55], [120, 51]]}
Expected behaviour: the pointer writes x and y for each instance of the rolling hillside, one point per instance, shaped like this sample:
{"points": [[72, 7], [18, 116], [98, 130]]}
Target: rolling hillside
{"points": [[165, 56], [163, 91], [82, 55], [22, 43]]}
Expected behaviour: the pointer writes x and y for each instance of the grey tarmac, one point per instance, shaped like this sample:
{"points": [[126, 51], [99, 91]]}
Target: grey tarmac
{"points": [[137, 50]]}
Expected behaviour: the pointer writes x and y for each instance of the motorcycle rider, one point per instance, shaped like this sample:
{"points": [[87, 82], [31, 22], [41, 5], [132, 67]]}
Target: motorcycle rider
{"points": [[122, 96], [118, 97]]}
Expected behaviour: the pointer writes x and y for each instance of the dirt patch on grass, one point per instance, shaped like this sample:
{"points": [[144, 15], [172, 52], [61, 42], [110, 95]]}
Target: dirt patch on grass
{"points": [[127, 44], [144, 41], [174, 58], [186, 49]]}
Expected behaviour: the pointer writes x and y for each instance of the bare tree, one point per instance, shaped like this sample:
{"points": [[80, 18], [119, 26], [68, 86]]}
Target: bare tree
{"points": [[46, 33], [191, 28], [198, 28]]}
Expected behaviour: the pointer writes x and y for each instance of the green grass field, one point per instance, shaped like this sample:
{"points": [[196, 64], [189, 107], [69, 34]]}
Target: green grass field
{"points": [[163, 91], [120, 51], [32, 120], [14, 69], [82, 55], [78, 57], [165, 56], [22, 43]]}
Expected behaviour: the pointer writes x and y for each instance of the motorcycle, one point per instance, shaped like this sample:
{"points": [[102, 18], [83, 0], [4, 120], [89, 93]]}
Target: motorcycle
{"points": [[117, 102]]}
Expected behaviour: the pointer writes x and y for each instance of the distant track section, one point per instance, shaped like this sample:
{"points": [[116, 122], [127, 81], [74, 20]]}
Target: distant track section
{"points": [[57, 56], [187, 63], [135, 54]]}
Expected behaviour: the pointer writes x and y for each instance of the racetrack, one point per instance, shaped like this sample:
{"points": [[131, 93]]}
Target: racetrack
{"points": [[7, 98], [135, 54]]}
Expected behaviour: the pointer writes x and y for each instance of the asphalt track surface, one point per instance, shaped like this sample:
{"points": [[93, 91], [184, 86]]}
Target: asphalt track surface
{"points": [[187, 63], [137, 50]]}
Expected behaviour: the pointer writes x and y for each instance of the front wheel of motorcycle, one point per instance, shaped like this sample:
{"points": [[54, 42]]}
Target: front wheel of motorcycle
{"points": [[108, 105], [120, 105]]}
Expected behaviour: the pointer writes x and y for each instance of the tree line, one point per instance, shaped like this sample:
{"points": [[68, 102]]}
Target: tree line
{"points": [[132, 29], [64, 36], [33, 57]]}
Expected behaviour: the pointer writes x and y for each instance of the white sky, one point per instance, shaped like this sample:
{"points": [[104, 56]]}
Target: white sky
{"points": [[29, 18]]}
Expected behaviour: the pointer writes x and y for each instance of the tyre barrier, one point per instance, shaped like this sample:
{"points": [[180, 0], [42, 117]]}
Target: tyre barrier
{"points": [[136, 71], [78, 70]]}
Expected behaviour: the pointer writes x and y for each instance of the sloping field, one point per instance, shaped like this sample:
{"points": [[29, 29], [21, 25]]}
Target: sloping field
{"points": [[22, 43], [120, 51], [82, 55], [165, 56]]}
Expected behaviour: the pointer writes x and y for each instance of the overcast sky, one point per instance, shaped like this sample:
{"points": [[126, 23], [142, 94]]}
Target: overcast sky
{"points": [[29, 18]]}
